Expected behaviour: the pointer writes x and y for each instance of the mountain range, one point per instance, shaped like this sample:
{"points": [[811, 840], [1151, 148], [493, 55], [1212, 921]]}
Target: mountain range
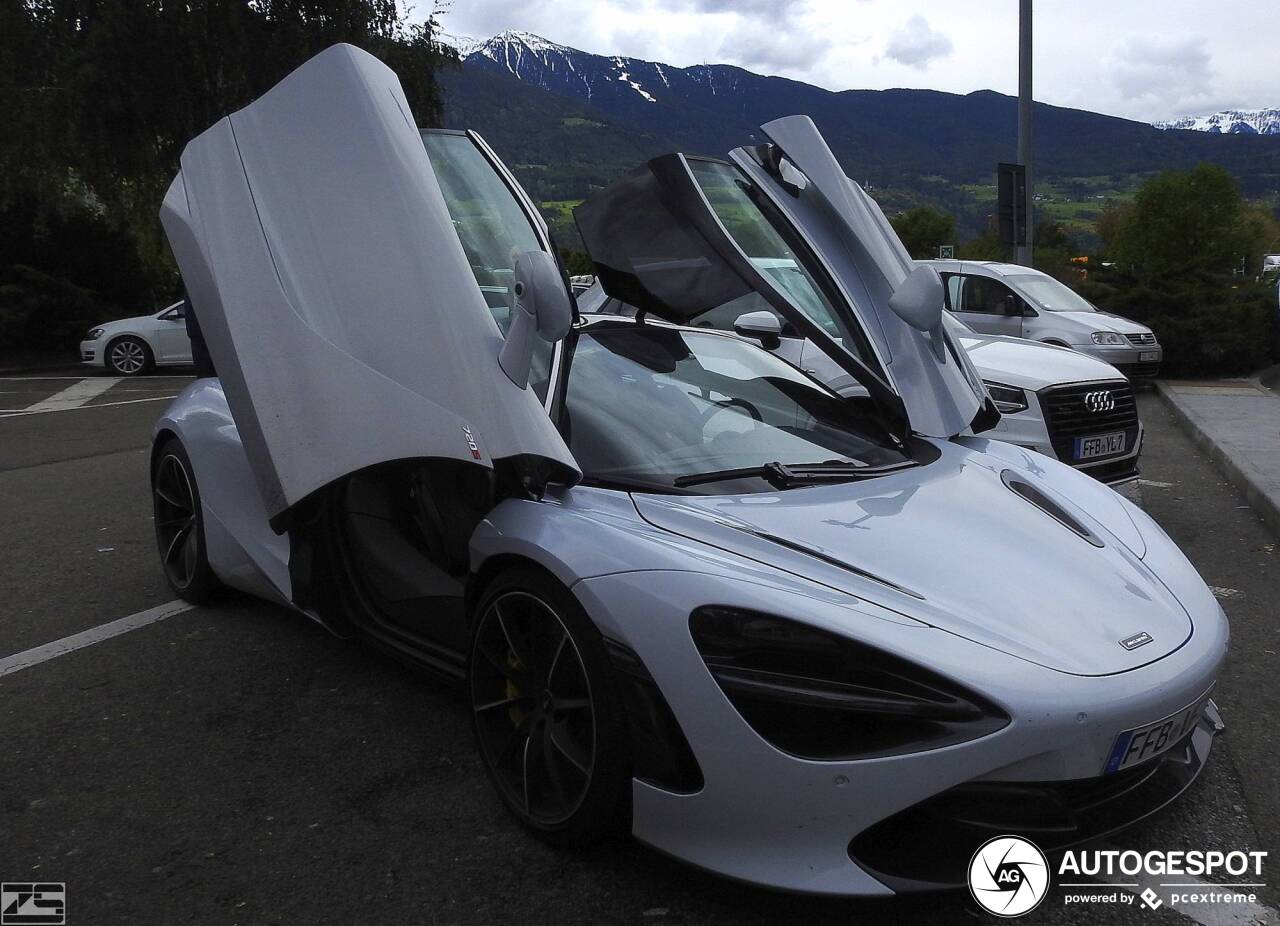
{"points": [[568, 122], [1230, 121]]}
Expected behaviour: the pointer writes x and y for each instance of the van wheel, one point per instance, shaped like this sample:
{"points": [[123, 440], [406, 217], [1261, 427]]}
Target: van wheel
{"points": [[548, 719]]}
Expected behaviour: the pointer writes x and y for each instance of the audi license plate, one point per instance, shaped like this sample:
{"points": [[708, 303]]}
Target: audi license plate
{"points": [[1143, 743], [1099, 445], [1148, 356]]}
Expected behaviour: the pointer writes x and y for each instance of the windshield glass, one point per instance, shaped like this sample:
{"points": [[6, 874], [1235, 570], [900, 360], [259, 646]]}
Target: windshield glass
{"points": [[649, 404], [492, 227], [1046, 293]]}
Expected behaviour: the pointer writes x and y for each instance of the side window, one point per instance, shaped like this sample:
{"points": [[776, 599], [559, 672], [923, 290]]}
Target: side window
{"points": [[985, 295], [489, 220], [953, 282]]}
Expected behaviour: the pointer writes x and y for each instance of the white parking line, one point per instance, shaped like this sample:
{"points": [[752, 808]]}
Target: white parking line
{"points": [[16, 412], [75, 395], [33, 657]]}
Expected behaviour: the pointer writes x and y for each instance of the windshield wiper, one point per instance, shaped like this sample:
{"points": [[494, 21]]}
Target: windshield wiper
{"points": [[790, 475]]}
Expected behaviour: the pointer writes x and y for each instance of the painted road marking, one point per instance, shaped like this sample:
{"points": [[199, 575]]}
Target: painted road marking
{"points": [[75, 395], [33, 657], [16, 413]]}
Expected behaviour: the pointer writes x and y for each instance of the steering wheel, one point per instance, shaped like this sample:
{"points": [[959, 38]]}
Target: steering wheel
{"points": [[725, 405]]}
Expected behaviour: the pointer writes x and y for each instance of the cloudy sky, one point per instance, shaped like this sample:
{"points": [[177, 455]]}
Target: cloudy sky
{"points": [[1144, 59]]}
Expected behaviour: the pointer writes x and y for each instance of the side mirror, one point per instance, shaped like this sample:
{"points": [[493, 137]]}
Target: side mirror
{"points": [[761, 326], [918, 300], [540, 307]]}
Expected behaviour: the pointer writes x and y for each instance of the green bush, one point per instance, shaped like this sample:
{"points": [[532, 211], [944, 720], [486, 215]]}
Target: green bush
{"points": [[39, 312], [1206, 325]]}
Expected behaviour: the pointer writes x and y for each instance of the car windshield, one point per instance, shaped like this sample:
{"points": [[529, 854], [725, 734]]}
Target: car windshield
{"points": [[650, 404], [1044, 292]]}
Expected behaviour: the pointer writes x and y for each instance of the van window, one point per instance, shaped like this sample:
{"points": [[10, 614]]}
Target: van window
{"points": [[985, 295]]}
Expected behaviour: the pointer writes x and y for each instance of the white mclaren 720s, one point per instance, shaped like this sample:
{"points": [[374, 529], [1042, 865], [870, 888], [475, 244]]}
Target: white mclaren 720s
{"points": [[824, 644]]}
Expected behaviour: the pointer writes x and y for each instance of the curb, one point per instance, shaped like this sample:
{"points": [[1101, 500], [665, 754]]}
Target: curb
{"points": [[1260, 500]]}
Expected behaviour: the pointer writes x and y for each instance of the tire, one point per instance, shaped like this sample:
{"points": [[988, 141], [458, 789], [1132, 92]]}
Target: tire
{"points": [[549, 722], [129, 356], [179, 525]]}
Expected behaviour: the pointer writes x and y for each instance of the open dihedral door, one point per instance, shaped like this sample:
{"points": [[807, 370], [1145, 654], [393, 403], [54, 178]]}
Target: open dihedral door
{"points": [[338, 304], [684, 235]]}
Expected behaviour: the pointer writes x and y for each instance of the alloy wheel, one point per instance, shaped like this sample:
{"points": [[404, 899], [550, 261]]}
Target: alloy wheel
{"points": [[176, 526], [533, 707], [128, 357]]}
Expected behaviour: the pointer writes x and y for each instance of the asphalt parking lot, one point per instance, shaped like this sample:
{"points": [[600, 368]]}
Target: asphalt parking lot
{"points": [[236, 764]]}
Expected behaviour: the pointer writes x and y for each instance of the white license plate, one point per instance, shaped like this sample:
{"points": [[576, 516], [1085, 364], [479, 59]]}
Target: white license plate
{"points": [[1143, 743], [1099, 445], [1148, 356]]}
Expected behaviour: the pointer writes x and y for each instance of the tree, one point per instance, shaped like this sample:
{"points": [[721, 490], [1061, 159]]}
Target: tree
{"points": [[1184, 223], [101, 96], [922, 229]]}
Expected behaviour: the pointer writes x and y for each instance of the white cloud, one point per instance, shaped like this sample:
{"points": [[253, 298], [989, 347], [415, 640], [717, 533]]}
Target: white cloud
{"points": [[915, 44], [1171, 72], [764, 48]]}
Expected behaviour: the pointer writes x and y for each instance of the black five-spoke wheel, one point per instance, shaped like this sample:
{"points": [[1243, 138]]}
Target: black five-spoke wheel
{"points": [[179, 529], [546, 716]]}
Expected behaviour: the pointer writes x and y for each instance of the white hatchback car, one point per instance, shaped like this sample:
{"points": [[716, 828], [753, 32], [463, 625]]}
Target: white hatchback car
{"points": [[996, 298], [134, 346]]}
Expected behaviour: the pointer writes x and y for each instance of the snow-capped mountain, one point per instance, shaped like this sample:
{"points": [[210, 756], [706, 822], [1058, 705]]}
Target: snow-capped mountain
{"points": [[1230, 122], [598, 79]]}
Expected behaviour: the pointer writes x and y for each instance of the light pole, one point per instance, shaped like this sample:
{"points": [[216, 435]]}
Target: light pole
{"points": [[1022, 253]]}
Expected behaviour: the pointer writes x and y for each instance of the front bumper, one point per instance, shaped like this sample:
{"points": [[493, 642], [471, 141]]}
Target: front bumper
{"points": [[776, 820], [1128, 359], [1029, 430], [91, 352], [929, 845]]}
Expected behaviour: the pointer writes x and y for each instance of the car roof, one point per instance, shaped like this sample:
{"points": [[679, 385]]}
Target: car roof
{"points": [[996, 268]]}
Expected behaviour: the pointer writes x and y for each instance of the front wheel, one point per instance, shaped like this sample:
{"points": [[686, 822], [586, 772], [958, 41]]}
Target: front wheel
{"points": [[179, 524], [129, 356], [548, 719]]}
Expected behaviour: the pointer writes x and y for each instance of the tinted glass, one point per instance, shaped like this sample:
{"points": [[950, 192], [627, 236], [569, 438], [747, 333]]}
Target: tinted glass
{"points": [[651, 403], [732, 199], [488, 219], [1048, 294], [983, 294]]}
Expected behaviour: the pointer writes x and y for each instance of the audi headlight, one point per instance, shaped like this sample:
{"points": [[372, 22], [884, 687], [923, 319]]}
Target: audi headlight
{"points": [[1108, 339], [1009, 399], [818, 695], [94, 334]]}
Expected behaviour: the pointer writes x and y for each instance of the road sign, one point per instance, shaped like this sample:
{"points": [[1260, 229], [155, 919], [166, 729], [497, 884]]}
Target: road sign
{"points": [[946, 252]]}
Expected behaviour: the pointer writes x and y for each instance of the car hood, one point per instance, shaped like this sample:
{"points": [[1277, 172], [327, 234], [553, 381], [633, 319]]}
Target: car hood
{"points": [[1103, 321], [131, 322], [950, 544], [1032, 365]]}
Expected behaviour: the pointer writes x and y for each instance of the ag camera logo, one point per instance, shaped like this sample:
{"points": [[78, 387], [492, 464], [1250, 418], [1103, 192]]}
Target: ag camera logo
{"points": [[1008, 876]]}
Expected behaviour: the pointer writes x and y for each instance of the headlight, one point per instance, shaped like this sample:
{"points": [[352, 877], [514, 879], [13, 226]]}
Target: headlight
{"points": [[1009, 399], [818, 695], [93, 335], [1109, 338]]}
